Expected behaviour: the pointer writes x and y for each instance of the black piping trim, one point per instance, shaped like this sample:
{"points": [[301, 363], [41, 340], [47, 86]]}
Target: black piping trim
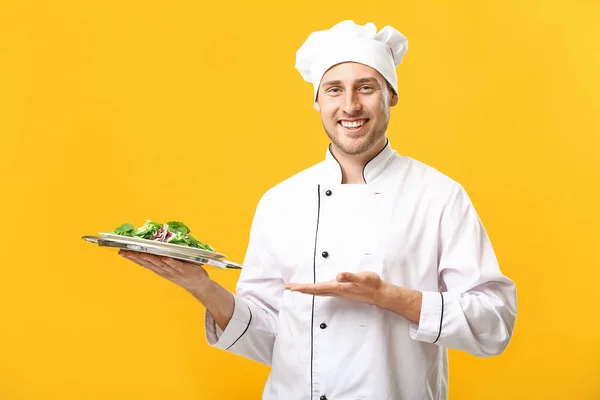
{"points": [[339, 165], [387, 141], [441, 319], [245, 330], [312, 317]]}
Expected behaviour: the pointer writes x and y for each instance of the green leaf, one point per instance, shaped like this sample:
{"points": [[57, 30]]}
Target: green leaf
{"points": [[125, 229], [178, 227], [148, 230], [195, 243], [179, 239]]}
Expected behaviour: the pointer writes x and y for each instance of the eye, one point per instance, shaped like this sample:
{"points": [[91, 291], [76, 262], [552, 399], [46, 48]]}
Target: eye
{"points": [[366, 88]]}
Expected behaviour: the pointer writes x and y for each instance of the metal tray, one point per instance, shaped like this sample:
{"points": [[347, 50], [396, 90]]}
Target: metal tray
{"points": [[124, 244]]}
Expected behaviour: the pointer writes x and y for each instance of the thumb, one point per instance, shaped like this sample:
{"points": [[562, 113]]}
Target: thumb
{"points": [[346, 277]]}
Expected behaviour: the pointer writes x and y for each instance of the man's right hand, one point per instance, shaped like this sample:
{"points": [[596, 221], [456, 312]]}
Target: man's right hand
{"points": [[219, 302], [191, 277]]}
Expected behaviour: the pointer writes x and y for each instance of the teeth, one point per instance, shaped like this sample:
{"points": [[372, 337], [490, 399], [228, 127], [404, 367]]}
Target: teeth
{"points": [[352, 124]]}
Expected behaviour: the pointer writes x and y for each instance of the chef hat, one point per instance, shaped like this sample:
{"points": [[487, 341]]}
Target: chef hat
{"points": [[347, 41]]}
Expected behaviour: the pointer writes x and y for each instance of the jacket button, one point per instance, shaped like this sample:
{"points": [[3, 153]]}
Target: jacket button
{"points": [[323, 325], [328, 193], [323, 398], [325, 254]]}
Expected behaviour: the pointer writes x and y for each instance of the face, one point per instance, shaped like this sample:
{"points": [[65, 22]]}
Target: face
{"points": [[354, 101]]}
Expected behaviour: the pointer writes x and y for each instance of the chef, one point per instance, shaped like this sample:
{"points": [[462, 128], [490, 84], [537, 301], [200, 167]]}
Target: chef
{"points": [[364, 269]]}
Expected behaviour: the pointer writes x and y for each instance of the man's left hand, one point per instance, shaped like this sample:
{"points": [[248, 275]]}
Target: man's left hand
{"points": [[363, 286]]}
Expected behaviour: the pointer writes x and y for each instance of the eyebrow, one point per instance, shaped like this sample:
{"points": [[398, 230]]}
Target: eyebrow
{"points": [[369, 79]]}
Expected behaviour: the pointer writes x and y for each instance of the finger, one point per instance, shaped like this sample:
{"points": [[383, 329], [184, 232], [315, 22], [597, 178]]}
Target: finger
{"points": [[299, 286], [158, 263], [138, 262], [313, 287], [150, 258], [131, 256], [318, 292], [126, 253], [310, 289], [145, 261], [173, 263]]}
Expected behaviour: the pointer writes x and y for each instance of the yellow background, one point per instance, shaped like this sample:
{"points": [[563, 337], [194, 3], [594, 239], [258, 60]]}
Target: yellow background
{"points": [[115, 111]]}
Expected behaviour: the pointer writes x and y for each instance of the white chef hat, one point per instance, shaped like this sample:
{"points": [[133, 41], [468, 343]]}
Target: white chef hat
{"points": [[347, 41]]}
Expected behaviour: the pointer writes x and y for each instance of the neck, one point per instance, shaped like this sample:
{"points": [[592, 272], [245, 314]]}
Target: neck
{"points": [[353, 165]]}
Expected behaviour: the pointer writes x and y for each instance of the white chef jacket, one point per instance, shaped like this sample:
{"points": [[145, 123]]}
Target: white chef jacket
{"points": [[409, 223]]}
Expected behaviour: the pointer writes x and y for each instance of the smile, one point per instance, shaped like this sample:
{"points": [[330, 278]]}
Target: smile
{"points": [[354, 124]]}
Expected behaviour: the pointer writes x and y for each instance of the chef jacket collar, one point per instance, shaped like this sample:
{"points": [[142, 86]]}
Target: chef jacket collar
{"points": [[372, 169]]}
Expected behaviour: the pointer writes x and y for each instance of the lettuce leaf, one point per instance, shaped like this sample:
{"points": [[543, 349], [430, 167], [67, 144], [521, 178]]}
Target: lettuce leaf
{"points": [[126, 229], [150, 229], [178, 227]]}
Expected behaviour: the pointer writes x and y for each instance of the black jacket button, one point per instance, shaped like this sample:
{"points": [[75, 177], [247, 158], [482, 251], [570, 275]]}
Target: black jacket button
{"points": [[328, 193], [325, 254], [323, 325], [323, 398]]}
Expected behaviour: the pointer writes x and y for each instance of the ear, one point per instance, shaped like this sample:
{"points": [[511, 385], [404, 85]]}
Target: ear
{"points": [[394, 99], [317, 106]]}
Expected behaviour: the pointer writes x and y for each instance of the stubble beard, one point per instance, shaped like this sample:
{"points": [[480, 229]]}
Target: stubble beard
{"points": [[371, 138]]}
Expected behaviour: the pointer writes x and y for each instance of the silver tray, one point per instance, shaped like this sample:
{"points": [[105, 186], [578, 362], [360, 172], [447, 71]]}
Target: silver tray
{"points": [[161, 250]]}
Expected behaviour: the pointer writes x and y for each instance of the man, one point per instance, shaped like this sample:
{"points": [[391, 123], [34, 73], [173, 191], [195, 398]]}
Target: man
{"points": [[362, 270]]}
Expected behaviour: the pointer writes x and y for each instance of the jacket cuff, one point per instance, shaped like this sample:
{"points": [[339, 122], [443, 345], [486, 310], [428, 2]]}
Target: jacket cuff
{"points": [[430, 321], [238, 325]]}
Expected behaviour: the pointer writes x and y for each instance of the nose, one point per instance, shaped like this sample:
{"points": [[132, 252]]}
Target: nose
{"points": [[351, 103]]}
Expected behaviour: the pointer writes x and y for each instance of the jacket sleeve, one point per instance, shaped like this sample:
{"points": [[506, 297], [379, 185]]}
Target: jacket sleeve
{"points": [[252, 330], [476, 307]]}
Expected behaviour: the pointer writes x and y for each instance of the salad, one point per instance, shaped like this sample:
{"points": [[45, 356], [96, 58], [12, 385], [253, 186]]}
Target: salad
{"points": [[172, 232]]}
